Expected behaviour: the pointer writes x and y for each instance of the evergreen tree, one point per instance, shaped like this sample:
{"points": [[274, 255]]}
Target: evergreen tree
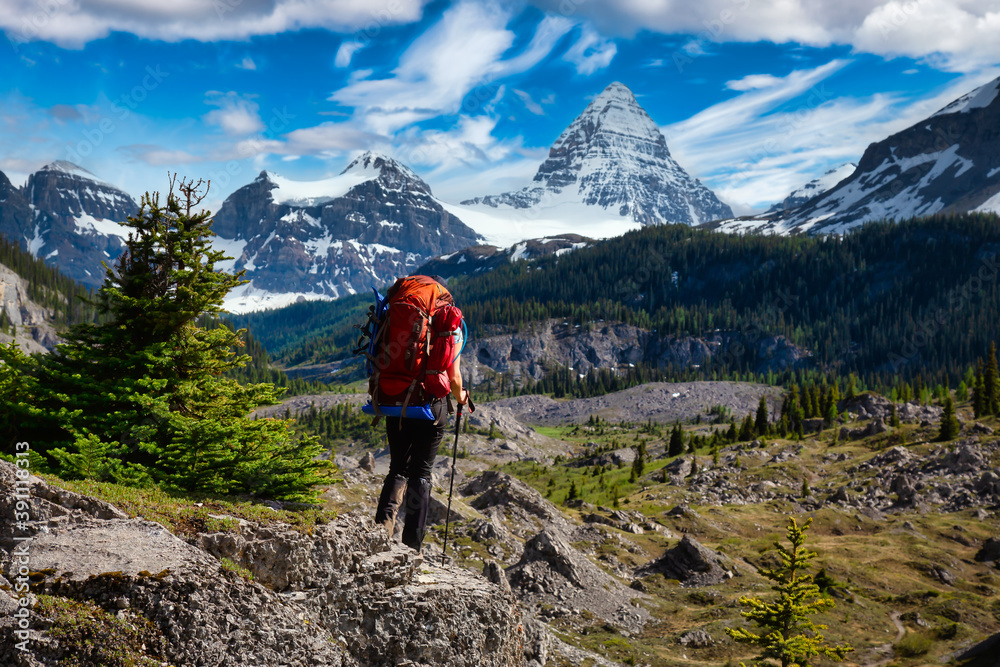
{"points": [[676, 447], [991, 383], [894, 417], [787, 635], [760, 423], [147, 393], [639, 463], [732, 435], [979, 391], [746, 429], [949, 422]]}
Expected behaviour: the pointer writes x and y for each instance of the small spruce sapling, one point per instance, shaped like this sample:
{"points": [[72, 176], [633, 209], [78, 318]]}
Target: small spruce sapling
{"points": [[787, 635]]}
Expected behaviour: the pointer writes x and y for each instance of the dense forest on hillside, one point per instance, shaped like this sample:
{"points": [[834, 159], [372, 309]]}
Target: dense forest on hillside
{"points": [[890, 300], [47, 287]]}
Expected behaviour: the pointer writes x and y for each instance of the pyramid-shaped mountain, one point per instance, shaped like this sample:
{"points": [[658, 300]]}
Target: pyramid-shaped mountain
{"points": [[614, 157]]}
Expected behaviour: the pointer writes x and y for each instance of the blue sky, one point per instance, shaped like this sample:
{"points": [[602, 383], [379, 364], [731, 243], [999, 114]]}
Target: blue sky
{"points": [[755, 98]]}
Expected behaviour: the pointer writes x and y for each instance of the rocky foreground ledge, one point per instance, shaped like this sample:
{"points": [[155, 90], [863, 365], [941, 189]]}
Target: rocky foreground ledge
{"points": [[341, 595]]}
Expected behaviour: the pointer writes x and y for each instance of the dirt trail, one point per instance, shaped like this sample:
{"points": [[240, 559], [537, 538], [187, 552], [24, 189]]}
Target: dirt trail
{"points": [[886, 649]]}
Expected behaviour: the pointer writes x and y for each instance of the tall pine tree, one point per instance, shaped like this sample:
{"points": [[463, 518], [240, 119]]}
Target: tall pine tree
{"points": [[949, 422], [760, 423], [991, 383]]}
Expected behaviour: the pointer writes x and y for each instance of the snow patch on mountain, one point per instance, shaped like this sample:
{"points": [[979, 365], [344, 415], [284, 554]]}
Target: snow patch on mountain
{"points": [[504, 225], [815, 187], [977, 99]]}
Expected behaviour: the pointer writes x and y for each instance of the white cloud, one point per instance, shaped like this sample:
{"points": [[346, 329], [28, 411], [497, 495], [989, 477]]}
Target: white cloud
{"points": [[248, 64], [590, 52], [530, 104], [73, 24], [346, 53], [435, 74], [955, 34], [753, 82], [154, 155], [236, 115]]}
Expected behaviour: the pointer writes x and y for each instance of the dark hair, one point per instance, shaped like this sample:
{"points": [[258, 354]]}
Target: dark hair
{"points": [[440, 280]]}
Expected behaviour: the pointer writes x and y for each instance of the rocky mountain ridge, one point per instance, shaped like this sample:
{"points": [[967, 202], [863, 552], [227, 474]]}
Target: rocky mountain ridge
{"points": [[67, 216], [374, 222], [613, 158], [948, 162]]}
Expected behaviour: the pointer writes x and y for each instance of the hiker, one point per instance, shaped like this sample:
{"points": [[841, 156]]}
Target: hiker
{"points": [[421, 331]]}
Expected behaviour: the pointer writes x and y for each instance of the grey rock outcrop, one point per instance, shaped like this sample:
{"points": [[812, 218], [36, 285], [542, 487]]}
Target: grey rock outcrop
{"points": [[551, 571], [338, 596], [691, 564], [990, 550], [619, 346], [34, 331]]}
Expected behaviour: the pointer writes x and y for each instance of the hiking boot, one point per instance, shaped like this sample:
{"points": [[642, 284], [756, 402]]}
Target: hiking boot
{"points": [[418, 500], [389, 502]]}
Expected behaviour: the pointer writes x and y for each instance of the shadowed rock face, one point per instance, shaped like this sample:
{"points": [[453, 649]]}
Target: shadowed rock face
{"points": [[691, 564], [339, 596], [613, 156]]}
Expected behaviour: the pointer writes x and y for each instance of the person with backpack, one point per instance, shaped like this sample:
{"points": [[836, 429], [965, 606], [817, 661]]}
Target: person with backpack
{"points": [[415, 367]]}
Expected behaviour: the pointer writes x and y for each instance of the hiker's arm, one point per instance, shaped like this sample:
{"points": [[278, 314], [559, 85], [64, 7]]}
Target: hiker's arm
{"points": [[455, 378]]}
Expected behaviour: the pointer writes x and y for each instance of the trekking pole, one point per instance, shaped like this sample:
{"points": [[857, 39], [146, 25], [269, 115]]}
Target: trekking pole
{"points": [[451, 485]]}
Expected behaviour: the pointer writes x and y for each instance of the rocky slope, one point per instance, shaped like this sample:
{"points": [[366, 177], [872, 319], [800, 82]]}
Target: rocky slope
{"points": [[337, 595], [374, 222], [33, 330], [613, 346], [614, 161], [814, 188], [949, 162]]}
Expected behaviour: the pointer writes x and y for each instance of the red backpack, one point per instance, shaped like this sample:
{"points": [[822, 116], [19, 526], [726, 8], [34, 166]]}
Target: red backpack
{"points": [[415, 343]]}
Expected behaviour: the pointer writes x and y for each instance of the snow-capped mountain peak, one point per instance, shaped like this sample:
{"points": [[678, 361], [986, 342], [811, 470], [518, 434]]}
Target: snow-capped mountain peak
{"points": [[981, 97], [70, 169], [611, 162], [815, 187]]}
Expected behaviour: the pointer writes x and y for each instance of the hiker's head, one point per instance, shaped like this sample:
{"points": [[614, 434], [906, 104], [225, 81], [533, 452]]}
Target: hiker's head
{"points": [[439, 280]]}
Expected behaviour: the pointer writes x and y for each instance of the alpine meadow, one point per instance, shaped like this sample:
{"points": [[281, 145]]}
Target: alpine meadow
{"points": [[479, 333]]}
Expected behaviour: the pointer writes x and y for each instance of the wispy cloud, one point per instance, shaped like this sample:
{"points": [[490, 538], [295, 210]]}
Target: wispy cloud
{"points": [[346, 52], [236, 115], [590, 52], [463, 50], [530, 104], [73, 24], [248, 64]]}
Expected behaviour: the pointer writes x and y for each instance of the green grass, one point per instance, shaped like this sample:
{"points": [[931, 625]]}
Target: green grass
{"points": [[87, 635], [189, 514]]}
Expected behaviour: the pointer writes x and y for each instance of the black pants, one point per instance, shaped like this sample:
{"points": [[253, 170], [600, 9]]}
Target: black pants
{"points": [[413, 446]]}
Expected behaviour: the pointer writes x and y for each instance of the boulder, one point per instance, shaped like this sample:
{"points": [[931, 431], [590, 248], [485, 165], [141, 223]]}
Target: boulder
{"points": [[696, 639], [990, 550], [367, 462], [691, 564]]}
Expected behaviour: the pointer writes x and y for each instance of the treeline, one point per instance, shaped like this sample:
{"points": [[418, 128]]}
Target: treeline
{"points": [[916, 298], [910, 302], [68, 300]]}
